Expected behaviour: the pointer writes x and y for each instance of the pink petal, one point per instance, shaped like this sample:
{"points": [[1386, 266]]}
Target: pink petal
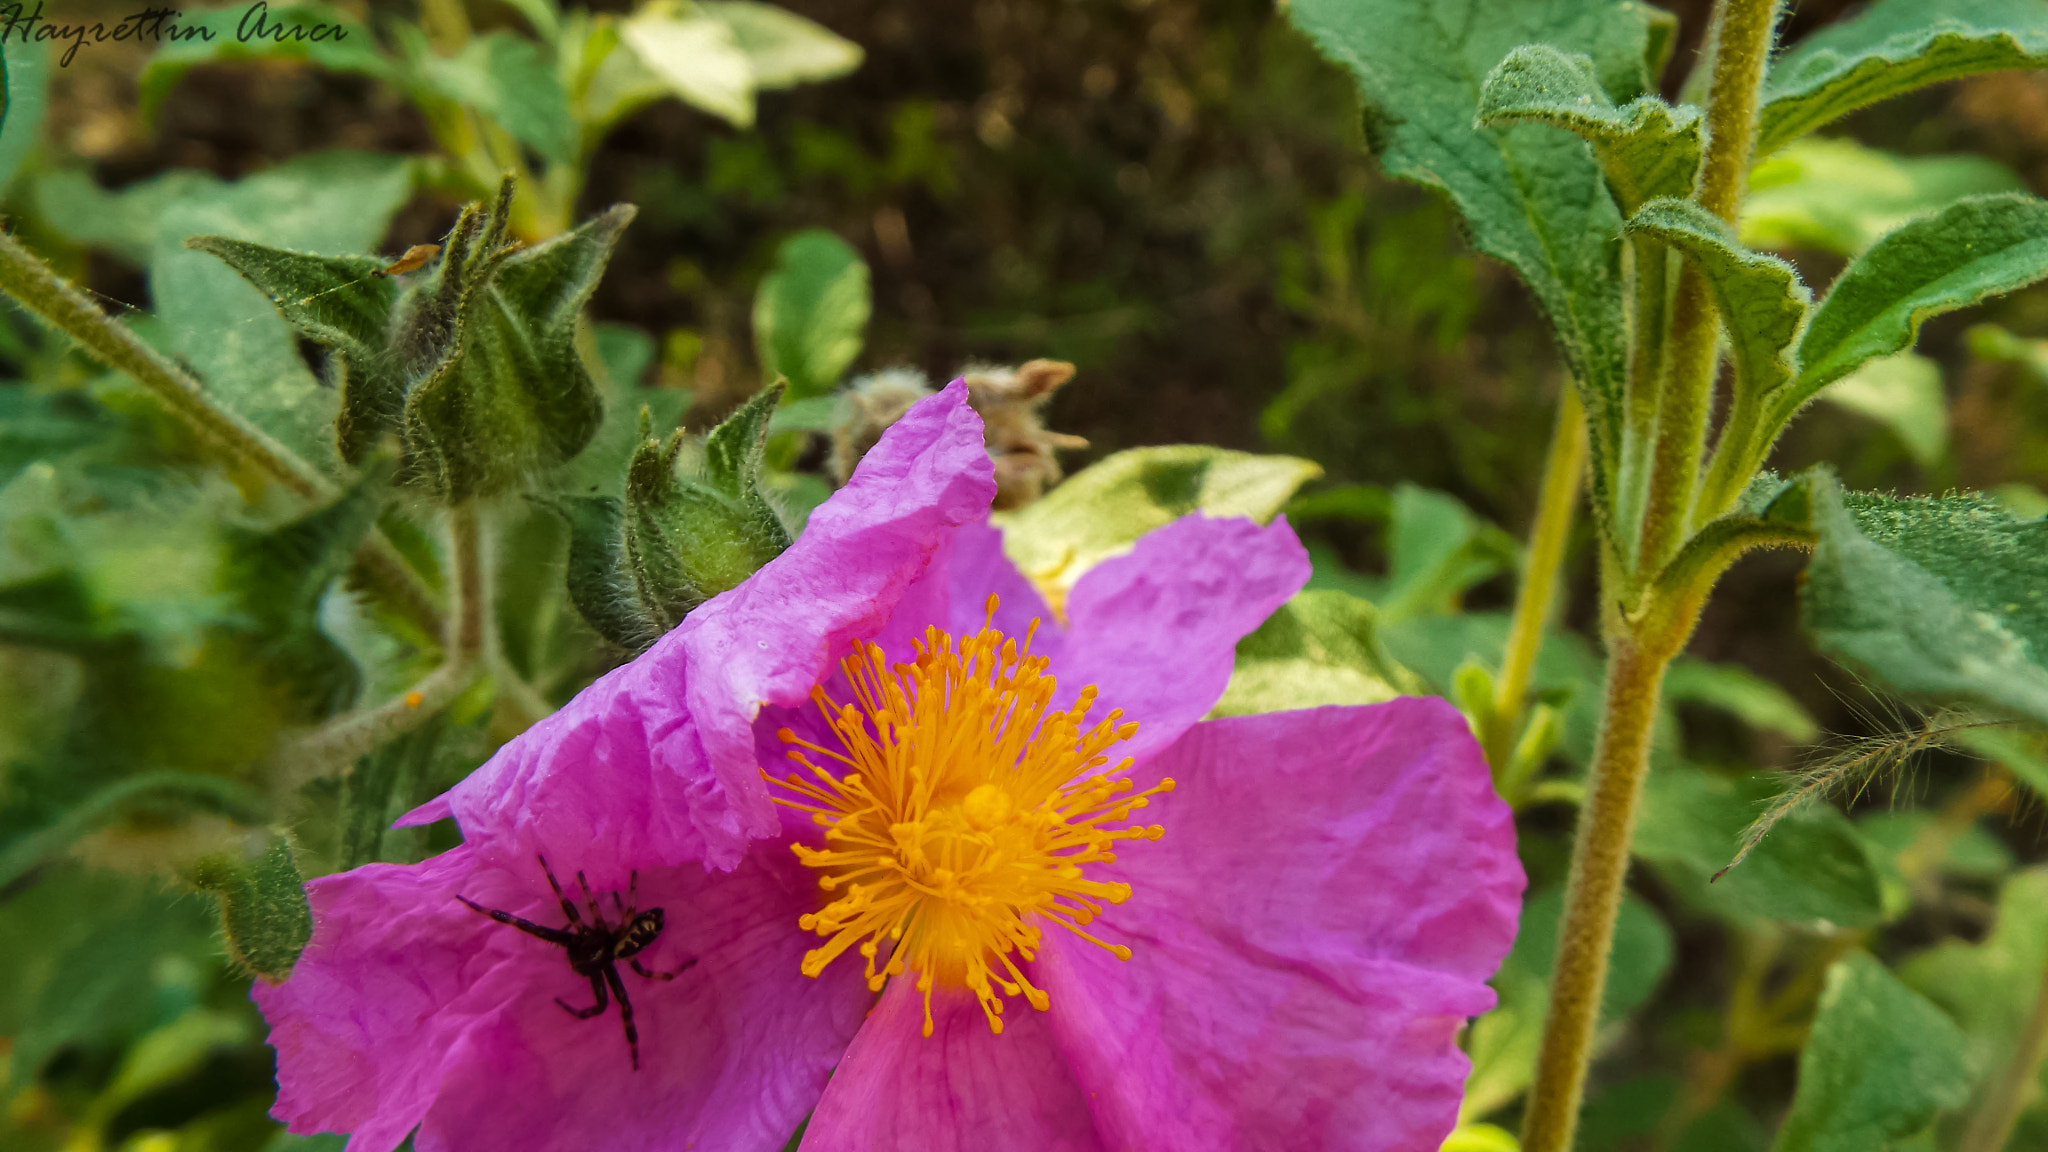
{"points": [[964, 1089], [1334, 888], [1156, 629], [656, 760], [409, 1008]]}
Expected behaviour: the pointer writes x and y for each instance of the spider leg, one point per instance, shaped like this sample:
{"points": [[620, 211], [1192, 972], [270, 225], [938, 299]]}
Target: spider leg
{"points": [[632, 894], [596, 910], [687, 965], [551, 935], [597, 987], [574, 917], [611, 976]]}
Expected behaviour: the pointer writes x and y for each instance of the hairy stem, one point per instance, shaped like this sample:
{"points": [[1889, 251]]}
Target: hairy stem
{"points": [[1992, 1124], [61, 305], [1635, 676], [1562, 470], [337, 743], [1650, 272]]}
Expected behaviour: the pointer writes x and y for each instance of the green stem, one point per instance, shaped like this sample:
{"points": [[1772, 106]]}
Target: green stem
{"points": [[61, 305], [337, 743], [1635, 675], [1649, 321], [446, 25], [1557, 499], [1992, 1124]]}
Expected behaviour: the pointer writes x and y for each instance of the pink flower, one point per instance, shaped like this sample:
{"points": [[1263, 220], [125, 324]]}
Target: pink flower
{"points": [[1309, 913]]}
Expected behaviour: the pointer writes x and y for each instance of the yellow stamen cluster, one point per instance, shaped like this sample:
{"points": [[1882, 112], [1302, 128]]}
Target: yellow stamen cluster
{"points": [[959, 813]]}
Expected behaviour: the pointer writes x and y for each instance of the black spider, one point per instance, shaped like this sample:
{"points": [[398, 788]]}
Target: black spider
{"points": [[595, 949]]}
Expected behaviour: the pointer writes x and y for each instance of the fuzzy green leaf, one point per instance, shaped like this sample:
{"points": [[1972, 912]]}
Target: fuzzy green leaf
{"points": [[1971, 251], [1940, 598], [1101, 511], [1892, 48], [1881, 1061], [1321, 647], [811, 313], [1839, 196], [1989, 987], [263, 906], [1532, 195], [505, 77], [1647, 148], [507, 393], [1760, 297]]}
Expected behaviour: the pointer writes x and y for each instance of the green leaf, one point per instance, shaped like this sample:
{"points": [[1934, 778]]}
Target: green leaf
{"points": [[1892, 48], [1742, 694], [342, 45], [811, 312], [1940, 598], [1970, 251], [1319, 648], [506, 393], [263, 906], [1532, 195], [38, 426], [335, 202], [1647, 149], [1903, 392], [694, 56], [124, 222], [505, 77], [1567, 673], [1760, 297], [1989, 987], [1839, 196], [782, 48], [1812, 868], [26, 101], [1102, 510], [1437, 550], [1881, 1061]]}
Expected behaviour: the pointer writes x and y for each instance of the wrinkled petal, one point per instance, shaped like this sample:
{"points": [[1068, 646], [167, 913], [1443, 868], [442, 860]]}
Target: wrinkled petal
{"points": [[963, 1089], [409, 1008], [661, 751], [1334, 887], [1156, 629]]}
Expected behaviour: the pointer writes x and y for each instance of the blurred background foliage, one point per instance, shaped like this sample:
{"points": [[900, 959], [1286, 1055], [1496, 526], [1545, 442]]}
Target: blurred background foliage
{"points": [[1172, 196]]}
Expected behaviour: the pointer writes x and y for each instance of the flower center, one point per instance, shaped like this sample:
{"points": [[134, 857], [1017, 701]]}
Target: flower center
{"points": [[960, 815]]}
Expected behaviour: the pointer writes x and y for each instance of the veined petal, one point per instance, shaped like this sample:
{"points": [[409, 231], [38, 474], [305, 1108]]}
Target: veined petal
{"points": [[1334, 887], [1156, 629], [409, 1008], [963, 1089]]}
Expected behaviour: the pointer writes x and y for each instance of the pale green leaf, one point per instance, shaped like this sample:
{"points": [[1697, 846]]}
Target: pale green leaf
{"points": [[1740, 693], [1319, 648], [1437, 550], [1881, 1061], [1892, 48], [1989, 987], [1760, 297], [696, 56], [506, 78], [1839, 196], [811, 312], [1101, 511], [1973, 250], [782, 48], [1532, 195], [1903, 392], [1647, 148], [1940, 598]]}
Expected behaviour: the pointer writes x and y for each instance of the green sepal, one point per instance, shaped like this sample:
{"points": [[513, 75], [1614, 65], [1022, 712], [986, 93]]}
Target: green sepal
{"points": [[597, 568], [1647, 148], [497, 387], [1761, 299], [263, 906], [1892, 48]]}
